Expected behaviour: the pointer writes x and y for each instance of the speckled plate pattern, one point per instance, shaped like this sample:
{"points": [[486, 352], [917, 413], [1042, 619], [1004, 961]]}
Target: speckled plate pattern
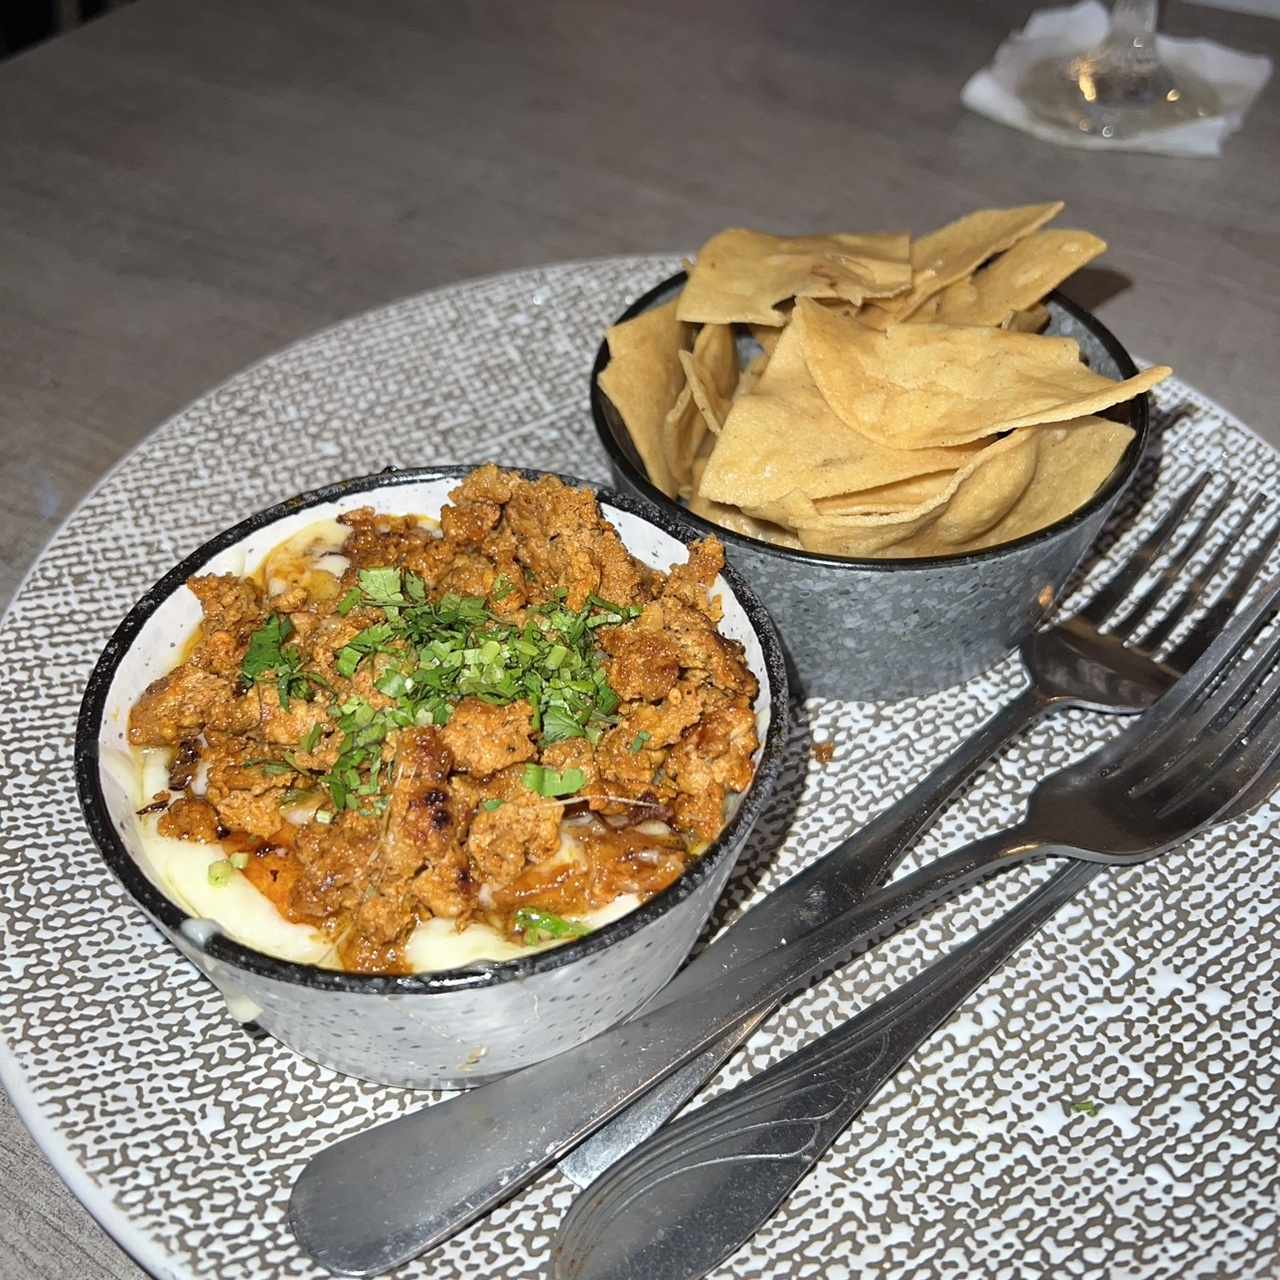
{"points": [[1151, 999]]}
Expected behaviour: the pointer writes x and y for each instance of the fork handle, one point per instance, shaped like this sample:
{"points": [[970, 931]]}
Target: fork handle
{"points": [[855, 867], [691, 1195]]}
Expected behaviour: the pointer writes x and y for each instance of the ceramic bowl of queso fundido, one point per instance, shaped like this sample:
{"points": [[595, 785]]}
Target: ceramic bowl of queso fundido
{"points": [[449, 1028]]}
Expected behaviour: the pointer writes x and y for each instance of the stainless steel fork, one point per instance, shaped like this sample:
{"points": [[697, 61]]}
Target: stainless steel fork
{"points": [[1108, 656], [689, 1196], [379, 1198]]}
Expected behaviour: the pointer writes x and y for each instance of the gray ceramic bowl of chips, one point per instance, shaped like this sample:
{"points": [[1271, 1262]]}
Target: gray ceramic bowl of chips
{"points": [[884, 629]]}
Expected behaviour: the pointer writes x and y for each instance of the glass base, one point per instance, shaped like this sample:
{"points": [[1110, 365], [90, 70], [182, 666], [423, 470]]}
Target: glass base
{"points": [[1099, 95]]}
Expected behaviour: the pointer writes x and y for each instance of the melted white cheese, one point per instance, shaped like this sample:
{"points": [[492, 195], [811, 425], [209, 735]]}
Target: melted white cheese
{"points": [[310, 558], [181, 868]]}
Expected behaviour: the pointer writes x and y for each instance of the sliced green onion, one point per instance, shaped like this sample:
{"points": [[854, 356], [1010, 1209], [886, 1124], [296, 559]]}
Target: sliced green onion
{"points": [[540, 926], [551, 782]]}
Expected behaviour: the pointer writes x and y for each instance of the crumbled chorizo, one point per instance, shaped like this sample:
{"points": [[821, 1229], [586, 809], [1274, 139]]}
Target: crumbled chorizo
{"points": [[645, 664], [485, 738], [188, 818], [504, 840], [369, 803], [183, 703]]}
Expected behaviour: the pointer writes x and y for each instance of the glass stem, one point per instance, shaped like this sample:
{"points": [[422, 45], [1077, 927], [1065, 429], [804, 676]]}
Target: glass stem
{"points": [[1131, 39]]}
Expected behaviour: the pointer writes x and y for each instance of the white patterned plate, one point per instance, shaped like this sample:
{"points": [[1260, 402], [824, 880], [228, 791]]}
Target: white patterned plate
{"points": [[1152, 997]]}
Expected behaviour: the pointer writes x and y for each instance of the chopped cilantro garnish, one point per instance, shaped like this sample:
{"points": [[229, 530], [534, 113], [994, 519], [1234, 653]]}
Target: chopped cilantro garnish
{"points": [[382, 586], [433, 654], [638, 742], [551, 782], [264, 652], [490, 805], [424, 656], [558, 725], [268, 656], [542, 926], [1084, 1108], [272, 768]]}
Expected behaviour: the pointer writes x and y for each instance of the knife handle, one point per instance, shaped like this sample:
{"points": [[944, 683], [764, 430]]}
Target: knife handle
{"points": [[684, 1200], [858, 865]]}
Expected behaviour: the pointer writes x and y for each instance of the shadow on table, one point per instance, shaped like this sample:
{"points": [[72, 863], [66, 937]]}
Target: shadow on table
{"points": [[1092, 286]]}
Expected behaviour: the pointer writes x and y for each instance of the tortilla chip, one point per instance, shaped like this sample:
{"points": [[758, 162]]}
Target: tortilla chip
{"points": [[1075, 460], [907, 498], [751, 375], [1017, 279], [784, 436], [740, 275], [700, 465], [1024, 482], [766, 335], [1032, 320], [972, 500], [929, 386], [952, 252], [710, 375], [713, 408], [864, 541], [682, 432], [902, 495], [728, 517], [643, 379], [927, 312]]}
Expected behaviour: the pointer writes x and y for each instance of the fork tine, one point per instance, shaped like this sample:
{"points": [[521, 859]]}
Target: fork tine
{"points": [[1200, 687], [1214, 731], [1257, 792], [1158, 634], [1225, 604], [1156, 592], [1233, 771], [1129, 574]]}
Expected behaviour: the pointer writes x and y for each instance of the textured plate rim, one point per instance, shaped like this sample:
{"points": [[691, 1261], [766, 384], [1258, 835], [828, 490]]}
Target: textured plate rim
{"points": [[53, 1140]]}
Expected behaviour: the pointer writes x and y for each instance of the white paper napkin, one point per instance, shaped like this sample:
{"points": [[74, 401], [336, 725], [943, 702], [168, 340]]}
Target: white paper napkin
{"points": [[1238, 78]]}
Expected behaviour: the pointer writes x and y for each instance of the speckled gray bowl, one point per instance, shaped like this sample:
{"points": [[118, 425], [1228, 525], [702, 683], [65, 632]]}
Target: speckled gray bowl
{"points": [[465, 1026], [879, 630]]}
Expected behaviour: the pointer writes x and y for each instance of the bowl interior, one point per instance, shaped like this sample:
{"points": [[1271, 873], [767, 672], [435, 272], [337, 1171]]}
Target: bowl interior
{"points": [[1099, 348], [169, 615]]}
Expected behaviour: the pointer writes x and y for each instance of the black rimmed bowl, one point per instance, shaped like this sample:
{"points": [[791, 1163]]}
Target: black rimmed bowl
{"points": [[460, 1027], [881, 629]]}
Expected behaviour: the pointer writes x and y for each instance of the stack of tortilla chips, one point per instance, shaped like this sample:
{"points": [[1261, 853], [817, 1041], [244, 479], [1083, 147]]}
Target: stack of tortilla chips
{"points": [[903, 402]]}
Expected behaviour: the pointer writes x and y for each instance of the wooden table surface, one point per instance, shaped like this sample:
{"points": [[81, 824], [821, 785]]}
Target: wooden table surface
{"points": [[191, 185]]}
